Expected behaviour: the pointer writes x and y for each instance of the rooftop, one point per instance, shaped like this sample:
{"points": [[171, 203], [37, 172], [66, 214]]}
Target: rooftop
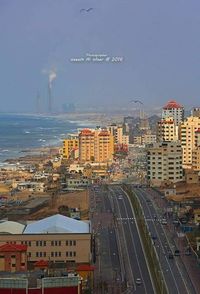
{"points": [[172, 104], [57, 224], [12, 247], [10, 227]]}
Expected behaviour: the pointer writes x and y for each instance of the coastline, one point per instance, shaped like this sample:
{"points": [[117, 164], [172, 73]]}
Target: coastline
{"points": [[80, 120]]}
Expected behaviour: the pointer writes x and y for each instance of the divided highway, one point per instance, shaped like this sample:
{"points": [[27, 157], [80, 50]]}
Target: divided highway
{"points": [[176, 278], [136, 271]]}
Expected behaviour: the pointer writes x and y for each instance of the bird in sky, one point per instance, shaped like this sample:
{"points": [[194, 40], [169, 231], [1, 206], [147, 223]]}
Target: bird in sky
{"points": [[86, 10], [136, 101]]}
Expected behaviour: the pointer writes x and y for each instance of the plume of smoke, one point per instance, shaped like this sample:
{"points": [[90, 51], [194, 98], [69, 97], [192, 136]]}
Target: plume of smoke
{"points": [[52, 76]]}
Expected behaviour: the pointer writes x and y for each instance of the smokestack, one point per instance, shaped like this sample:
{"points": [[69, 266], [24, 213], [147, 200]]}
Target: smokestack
{"points": [[52, 76]]}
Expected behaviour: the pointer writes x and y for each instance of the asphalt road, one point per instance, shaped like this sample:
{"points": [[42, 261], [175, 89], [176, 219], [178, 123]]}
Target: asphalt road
{"points": [[176, 278], [130, 247], [107, 267]]}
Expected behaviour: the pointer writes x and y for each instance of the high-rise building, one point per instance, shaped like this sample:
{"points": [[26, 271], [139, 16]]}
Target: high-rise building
{"points": [[96, 145], [117, 131], [187, 138], [196, 152], [70, 145], [174, 110], [167, 130], [196, 111], [165, 163]]}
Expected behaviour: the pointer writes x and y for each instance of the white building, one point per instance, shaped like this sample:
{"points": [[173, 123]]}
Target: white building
{"points": [[174, 110]]}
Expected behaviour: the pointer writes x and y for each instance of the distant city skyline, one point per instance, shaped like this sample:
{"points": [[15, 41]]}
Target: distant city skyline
{"points": [[156, 42]]}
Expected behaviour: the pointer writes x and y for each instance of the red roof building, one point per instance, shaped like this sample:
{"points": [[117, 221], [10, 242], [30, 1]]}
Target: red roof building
{"points": [[172, 104], [173, 110], [13, 257]]}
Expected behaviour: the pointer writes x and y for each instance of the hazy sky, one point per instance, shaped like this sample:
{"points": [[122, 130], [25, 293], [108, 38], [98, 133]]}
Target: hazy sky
{"points": [[158, 40]]}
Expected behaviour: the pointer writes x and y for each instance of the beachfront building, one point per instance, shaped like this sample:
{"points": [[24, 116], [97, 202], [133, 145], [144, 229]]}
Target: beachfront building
{"points": [[70, 147], [56, 239], [167, 130], [174, 110], [187, 138], [165, 163], [96, 145]]}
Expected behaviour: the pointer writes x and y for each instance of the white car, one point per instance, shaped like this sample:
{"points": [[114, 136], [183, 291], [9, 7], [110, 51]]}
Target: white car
{"points": [[138, 281], [164, 221]]}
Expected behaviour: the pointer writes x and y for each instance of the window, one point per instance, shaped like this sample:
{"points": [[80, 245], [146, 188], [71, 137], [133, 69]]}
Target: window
{"points": [[52, 243], [59, 243], [67, 243], [74, 253], [70, 254], [37, 254], [52, 254], [13, 256], [70, 243], [67, 253], [37, 243], [44, 254], [29, 243], [74, 242]]}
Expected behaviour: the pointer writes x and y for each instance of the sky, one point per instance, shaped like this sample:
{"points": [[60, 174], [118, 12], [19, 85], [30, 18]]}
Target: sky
{"points": [[157, 42]]}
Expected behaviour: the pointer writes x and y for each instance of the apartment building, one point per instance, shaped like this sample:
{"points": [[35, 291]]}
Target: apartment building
{"points": [[96, 145], [187, 138], [174, 110], [56, 238], [117, 131], [196, 111], [196, 152], [70, 146], [165, 163], [167, 130]]}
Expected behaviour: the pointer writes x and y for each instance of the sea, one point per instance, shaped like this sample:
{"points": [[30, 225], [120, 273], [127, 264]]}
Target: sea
{"points": [[20, 133]]}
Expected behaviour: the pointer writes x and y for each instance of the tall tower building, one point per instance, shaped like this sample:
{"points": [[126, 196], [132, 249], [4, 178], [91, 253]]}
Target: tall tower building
{"points": [[86, 145], [174, 110], [196, 152], [165, 163], [167, 130], [96, 145], [187, 138]]}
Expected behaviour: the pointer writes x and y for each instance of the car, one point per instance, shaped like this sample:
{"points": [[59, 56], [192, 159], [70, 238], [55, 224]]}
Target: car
{"points": [[188, 251], [175, 221], [176, 252], [164, 221], [138, 281]]}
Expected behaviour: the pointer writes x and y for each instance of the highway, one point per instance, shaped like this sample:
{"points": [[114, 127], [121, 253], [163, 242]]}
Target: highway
{"points": [[176, 278], [130, 247], [108, 269]]}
